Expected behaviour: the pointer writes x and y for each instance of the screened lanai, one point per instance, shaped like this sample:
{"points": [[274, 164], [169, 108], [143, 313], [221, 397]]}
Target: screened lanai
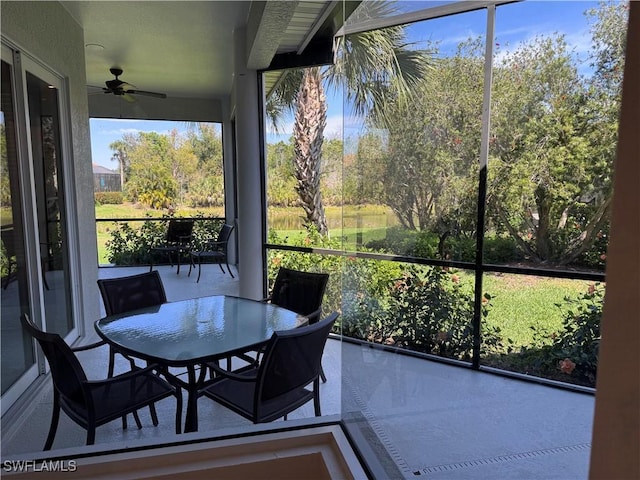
{"points": [[458, 190]]}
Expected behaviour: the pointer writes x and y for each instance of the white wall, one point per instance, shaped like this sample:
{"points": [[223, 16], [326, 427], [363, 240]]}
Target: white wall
{"points": [[45, 31]]}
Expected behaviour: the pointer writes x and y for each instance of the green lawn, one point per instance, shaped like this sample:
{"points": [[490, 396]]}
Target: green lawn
{"points": [[521, 301]]}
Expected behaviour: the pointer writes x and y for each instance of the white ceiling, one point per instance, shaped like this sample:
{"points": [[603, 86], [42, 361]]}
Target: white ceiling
{"points": [[185, 48]]}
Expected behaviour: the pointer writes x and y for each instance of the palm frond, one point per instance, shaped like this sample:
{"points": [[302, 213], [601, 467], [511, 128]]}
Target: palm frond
{"points": [[281, 100]]}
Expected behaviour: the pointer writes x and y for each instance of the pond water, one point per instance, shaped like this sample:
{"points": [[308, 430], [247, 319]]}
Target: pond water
{"points": [[285, 219]]}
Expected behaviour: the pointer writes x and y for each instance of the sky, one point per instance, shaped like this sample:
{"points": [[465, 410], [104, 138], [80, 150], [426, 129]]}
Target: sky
{"points": [[106, 131], [515, 23]]}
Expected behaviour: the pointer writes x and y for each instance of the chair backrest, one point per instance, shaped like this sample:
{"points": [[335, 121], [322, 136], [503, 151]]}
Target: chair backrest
{"points": [[66, 371], [179, 231], [124, 294], [301, 292], [293, 359], [225, 233]]}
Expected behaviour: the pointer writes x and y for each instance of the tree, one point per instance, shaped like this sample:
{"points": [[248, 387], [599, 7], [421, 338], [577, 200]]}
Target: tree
{"points": [[120, 150], [431, 148], [308, 130], [280, 174], [150, 175], [206, 185], [553, 141], [374, 66]]}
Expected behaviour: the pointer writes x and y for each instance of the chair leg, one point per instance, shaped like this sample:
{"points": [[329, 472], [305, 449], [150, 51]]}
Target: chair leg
{"points": [[110, 370], [228, 268], [55, 416], [178, 410], [91, 434], [316, 397], [154, 415], [112, 362], [137, 419], [322, 375], [199, 269]]}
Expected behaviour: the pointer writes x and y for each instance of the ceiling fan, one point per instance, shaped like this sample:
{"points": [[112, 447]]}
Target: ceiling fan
{"points": [[124, 89]]}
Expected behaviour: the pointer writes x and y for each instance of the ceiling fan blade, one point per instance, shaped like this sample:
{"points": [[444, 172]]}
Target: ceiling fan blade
{"points": [[148, 94], [128, 97], [126, 87]]}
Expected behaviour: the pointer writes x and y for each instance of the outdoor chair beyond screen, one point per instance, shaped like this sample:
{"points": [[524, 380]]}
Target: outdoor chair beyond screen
{"points": [[91, 403], [277, 386], [124, 294], [177, 242], [215, 250]]}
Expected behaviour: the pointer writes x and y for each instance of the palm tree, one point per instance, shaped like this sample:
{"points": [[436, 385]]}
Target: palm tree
{"points": [[373, 66], [120, 148]]}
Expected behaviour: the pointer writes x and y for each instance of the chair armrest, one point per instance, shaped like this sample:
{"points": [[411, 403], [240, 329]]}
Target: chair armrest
{"points": [[213, 244], [314, 317], [125, 376], [88, 347], [228, 374]]}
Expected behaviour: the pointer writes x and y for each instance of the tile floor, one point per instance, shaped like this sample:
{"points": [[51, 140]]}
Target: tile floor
{"points": [[420, 419]]}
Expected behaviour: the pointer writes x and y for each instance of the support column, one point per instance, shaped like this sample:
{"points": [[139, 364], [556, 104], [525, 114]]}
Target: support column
{"points": [[249, 185], [616, 426]]}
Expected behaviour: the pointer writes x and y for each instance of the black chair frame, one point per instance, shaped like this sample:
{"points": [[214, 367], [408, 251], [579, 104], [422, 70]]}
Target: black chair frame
{"points": [[301, 292], [92, 403], [213, 249], [291, 362], [177, 242], [123, 294]]}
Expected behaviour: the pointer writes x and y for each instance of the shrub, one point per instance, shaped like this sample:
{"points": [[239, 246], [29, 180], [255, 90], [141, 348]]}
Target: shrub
{"points": [[426, 309], [571, 354], [500, 250], [131, 246], [430, 310], [108, 198], [575, 349]]}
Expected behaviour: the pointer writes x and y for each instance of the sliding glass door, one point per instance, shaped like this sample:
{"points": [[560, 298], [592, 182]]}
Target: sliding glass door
{"points": [[16, 348], [35, 256]]}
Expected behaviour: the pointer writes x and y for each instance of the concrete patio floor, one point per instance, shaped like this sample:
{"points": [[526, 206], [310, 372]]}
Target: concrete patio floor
{"points": [[419, 418]]}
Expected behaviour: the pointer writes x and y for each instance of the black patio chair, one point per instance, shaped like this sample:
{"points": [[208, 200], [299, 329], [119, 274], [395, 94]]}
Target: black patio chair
{"points": [[91, 403], [177, 242], [124, 294], [278, 385], [215, 250], [300, 292]]}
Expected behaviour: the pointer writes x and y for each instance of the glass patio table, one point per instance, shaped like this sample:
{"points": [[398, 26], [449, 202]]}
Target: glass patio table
{"points": [[193, 332]]}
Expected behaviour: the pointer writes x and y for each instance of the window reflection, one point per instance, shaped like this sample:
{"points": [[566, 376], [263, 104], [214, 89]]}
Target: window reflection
{"points": [[17, 348]]}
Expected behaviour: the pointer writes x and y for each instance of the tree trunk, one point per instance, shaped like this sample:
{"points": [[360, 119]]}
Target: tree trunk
{"points": [[544, 246], [308, 129]]}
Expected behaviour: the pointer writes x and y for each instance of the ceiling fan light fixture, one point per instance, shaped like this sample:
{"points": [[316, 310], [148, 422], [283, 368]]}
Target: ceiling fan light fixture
{"points": [[121, 88]]}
